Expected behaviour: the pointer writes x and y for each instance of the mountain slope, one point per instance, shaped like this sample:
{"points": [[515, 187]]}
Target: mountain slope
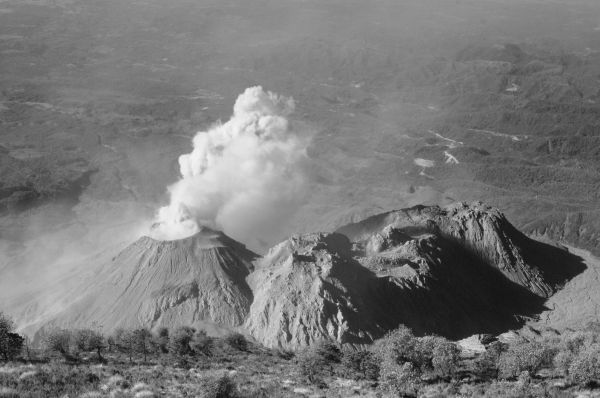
{"points": [[452, 271], [309, 288], [197, 281]]}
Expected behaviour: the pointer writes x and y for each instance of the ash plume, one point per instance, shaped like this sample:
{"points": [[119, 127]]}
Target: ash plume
{"points": [[243, 176]]}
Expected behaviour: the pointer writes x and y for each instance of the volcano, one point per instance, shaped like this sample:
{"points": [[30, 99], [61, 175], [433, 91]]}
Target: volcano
{"points": [[453, 271], [197, 281]]}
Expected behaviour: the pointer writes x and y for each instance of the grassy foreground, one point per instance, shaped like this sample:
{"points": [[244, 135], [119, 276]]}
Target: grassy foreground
{"points": [[398, 365]]}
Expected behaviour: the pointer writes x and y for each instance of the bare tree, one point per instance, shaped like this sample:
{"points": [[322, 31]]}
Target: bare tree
{"points": [[125, 342], [143, 342], [60, 341], [90, 340]]}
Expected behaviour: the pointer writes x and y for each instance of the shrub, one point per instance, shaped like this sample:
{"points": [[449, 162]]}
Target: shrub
{"points": [[396, 353], [10, 343], [570, 347], [426, 354], [404, 382], [524, 356], [318, 359], [312, 366], [328, 350], [585, 368], [421, 355], [445, 358], [399, 345], [285, 354], [161, 339], [179, 343], [13, 344], [125, 342], [202, 344], [223, 387], [361, 364], [237, 341], [434, 353], [143, 342], [486, 366], [562, 362]]}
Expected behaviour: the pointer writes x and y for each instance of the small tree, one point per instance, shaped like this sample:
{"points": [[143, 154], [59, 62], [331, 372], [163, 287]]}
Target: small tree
{"points": [[125, 342], [10, 343], [60, 341], [486, 365], [524, 356], [361, 364], [237, 341], [179, 343], [400, 345], [585, 368], [445, 358], [312, 366], [27, 347], [143, 342], [97, 342], [328, 350], [15, 345], [318, 359], [397, 353], [202, 344], [161, 340], [88, 340], [405, 381]]}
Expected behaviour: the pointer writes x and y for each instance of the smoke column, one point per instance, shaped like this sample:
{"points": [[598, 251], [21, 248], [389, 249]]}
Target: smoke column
{"points": [[243, 177]]}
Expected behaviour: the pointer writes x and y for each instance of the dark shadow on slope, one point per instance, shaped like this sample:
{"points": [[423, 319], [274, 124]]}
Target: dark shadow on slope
{"points": [[459, 296], [463, 295], [557, 265]]}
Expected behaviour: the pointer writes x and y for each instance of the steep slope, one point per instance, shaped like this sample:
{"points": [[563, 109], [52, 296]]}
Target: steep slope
{"points": [[198, 281], [309, 288], [454, 271]]}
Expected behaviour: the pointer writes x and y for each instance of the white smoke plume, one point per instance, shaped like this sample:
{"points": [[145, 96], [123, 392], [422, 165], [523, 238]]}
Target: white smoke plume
{"points": [[243, 177]]}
